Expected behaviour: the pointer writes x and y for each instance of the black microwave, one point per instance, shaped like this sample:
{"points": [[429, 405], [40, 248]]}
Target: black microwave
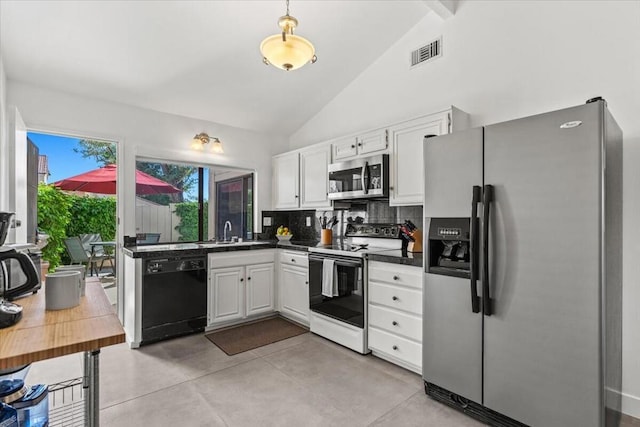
{"points": [[362, 178]]}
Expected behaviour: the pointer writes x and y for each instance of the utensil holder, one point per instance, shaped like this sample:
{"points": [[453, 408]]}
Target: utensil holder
{"points": [[326, 236], [416, 245], [62, 290]]}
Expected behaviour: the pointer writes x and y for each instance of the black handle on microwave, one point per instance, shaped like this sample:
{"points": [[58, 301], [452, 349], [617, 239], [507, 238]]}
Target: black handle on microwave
{"points": [[365, 178]]}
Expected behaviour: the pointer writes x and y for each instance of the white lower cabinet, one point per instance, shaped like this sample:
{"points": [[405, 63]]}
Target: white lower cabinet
{"points": [[240, 286], [226, 294], [395, 314], [294, 286], [259, 288]]}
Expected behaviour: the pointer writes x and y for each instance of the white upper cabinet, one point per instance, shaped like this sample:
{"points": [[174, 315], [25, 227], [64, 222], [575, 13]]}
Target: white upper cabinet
{"points": [[372, 142], [314, 177], [286, 181], [301, 178], [406, 162], [359, 145]]}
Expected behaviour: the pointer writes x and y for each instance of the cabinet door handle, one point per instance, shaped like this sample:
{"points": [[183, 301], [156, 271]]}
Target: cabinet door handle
{"points": [[396, 278], [353, 146], [395, 347], [241, 279], [296, 196], [306, 283], [395, 298], [359, 144], [293, 260], [248, 278], [394, 323]]}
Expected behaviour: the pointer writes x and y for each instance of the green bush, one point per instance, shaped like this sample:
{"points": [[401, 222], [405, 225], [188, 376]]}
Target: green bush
{"points": [[188, 226], [62, 215], [53, 218], [92, 215]]}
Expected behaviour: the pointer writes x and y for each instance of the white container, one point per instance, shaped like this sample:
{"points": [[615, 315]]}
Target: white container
{"points": [[83, 272], [62, 290]]}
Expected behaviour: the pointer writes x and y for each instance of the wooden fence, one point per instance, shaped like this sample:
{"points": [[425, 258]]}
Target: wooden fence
{"points": [[153, 218]]}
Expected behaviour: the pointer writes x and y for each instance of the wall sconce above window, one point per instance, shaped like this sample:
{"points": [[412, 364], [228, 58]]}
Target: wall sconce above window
{"points": [[202, 139]]}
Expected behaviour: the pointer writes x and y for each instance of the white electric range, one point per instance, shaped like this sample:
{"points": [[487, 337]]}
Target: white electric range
{"points": [[338, 301]]}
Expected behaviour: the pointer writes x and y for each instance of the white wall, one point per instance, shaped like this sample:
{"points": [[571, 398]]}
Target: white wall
{"points": [[504, 60], [144, 133]]}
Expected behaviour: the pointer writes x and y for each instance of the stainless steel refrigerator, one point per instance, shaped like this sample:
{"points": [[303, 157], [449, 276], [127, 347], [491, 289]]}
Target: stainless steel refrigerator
{"points": [[523, 269]]}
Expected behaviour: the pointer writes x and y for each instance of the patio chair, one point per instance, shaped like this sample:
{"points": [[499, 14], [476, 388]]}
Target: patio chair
{"points": [[78, 255], [75, 250], [96, 252], [147, 238]]}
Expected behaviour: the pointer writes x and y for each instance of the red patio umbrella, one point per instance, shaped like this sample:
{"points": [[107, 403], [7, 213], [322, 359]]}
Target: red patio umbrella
{"points": [[103, 181]]}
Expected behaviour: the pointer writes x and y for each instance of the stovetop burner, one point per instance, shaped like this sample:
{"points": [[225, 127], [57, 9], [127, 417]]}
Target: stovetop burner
{"points": [[361, 239]]}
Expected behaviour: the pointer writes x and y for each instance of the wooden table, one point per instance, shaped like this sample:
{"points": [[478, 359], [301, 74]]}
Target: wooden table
{"points": [[44, 334]]}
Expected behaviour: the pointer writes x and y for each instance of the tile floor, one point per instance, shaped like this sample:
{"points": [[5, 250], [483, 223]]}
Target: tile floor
{"points": [[302, 381]]}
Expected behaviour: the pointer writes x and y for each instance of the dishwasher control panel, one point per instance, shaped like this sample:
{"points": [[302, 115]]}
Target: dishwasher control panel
{"points": [[174, 264]]}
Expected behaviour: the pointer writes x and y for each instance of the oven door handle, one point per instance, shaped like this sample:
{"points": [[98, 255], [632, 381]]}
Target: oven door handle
{"points": [[338, 261]]}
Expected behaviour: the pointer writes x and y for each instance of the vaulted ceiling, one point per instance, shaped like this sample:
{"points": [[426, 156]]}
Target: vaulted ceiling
{"points": [[199, 59]]}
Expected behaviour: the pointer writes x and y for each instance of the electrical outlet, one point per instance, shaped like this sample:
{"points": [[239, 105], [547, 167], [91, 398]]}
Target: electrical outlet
{"points": [[308, 221], [266, 221]]}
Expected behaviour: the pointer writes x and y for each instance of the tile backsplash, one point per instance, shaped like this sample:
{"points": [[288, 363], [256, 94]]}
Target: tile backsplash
{"points": [[371, 211], [295, 220]]}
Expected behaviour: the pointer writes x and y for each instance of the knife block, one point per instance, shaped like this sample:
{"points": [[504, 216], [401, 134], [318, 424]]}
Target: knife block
{"points": [[416, 245]]}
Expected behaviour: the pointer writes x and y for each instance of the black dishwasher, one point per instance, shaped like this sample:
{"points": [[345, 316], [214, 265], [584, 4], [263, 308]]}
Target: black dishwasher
{"points": [[174, 297]]}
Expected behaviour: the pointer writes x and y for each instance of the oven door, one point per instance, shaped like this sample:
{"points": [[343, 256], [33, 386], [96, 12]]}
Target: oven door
{"points": [[349, 305], [360, 178]]}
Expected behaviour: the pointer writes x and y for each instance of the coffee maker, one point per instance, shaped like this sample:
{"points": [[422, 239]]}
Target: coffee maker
{"points": [[14, 267]]}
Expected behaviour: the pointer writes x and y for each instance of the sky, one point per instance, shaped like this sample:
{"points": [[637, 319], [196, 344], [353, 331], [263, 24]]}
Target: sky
{"points": [[65, 163]]}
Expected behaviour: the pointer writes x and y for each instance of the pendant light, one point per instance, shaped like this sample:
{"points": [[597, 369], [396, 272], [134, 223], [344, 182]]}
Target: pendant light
{"points": [[286, 50], [201, 139]]}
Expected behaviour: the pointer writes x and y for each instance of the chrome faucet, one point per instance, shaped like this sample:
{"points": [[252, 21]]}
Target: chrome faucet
{"points": [[224, 232]]}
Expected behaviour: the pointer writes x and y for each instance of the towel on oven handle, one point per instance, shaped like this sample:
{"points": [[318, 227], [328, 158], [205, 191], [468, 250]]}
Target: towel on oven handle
{"points": [[329, 280]]}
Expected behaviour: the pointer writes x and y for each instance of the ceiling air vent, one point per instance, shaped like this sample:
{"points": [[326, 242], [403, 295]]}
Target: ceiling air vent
{"points": [[427, 52]]}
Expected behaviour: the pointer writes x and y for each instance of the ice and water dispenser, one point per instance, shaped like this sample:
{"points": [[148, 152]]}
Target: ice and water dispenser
{"points": [[448, 250]]}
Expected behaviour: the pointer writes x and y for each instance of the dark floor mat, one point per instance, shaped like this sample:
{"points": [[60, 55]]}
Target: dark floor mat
{"points": [[253, 335]]}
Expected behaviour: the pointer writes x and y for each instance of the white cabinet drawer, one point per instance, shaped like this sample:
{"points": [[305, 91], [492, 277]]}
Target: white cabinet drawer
{"points": [[397, 274], [396, 322], [395, 346], [298, 259], [399, 298], [240, 258]]}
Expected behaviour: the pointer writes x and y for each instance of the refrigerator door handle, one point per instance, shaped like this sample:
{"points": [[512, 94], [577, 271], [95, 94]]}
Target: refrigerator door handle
{"points": [[487, 198], [473, 248]]}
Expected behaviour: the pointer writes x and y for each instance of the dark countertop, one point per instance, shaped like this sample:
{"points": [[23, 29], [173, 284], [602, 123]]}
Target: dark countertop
{"points": [[196, 249], [192, 249], [302, 246], [397, 256]]}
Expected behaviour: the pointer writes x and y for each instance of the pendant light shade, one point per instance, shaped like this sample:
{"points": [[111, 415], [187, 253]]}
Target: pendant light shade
{"points": [[286, 50]]}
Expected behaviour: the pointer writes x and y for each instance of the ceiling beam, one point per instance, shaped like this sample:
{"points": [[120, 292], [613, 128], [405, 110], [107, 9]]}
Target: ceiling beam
{"points": [[445, 9]]}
